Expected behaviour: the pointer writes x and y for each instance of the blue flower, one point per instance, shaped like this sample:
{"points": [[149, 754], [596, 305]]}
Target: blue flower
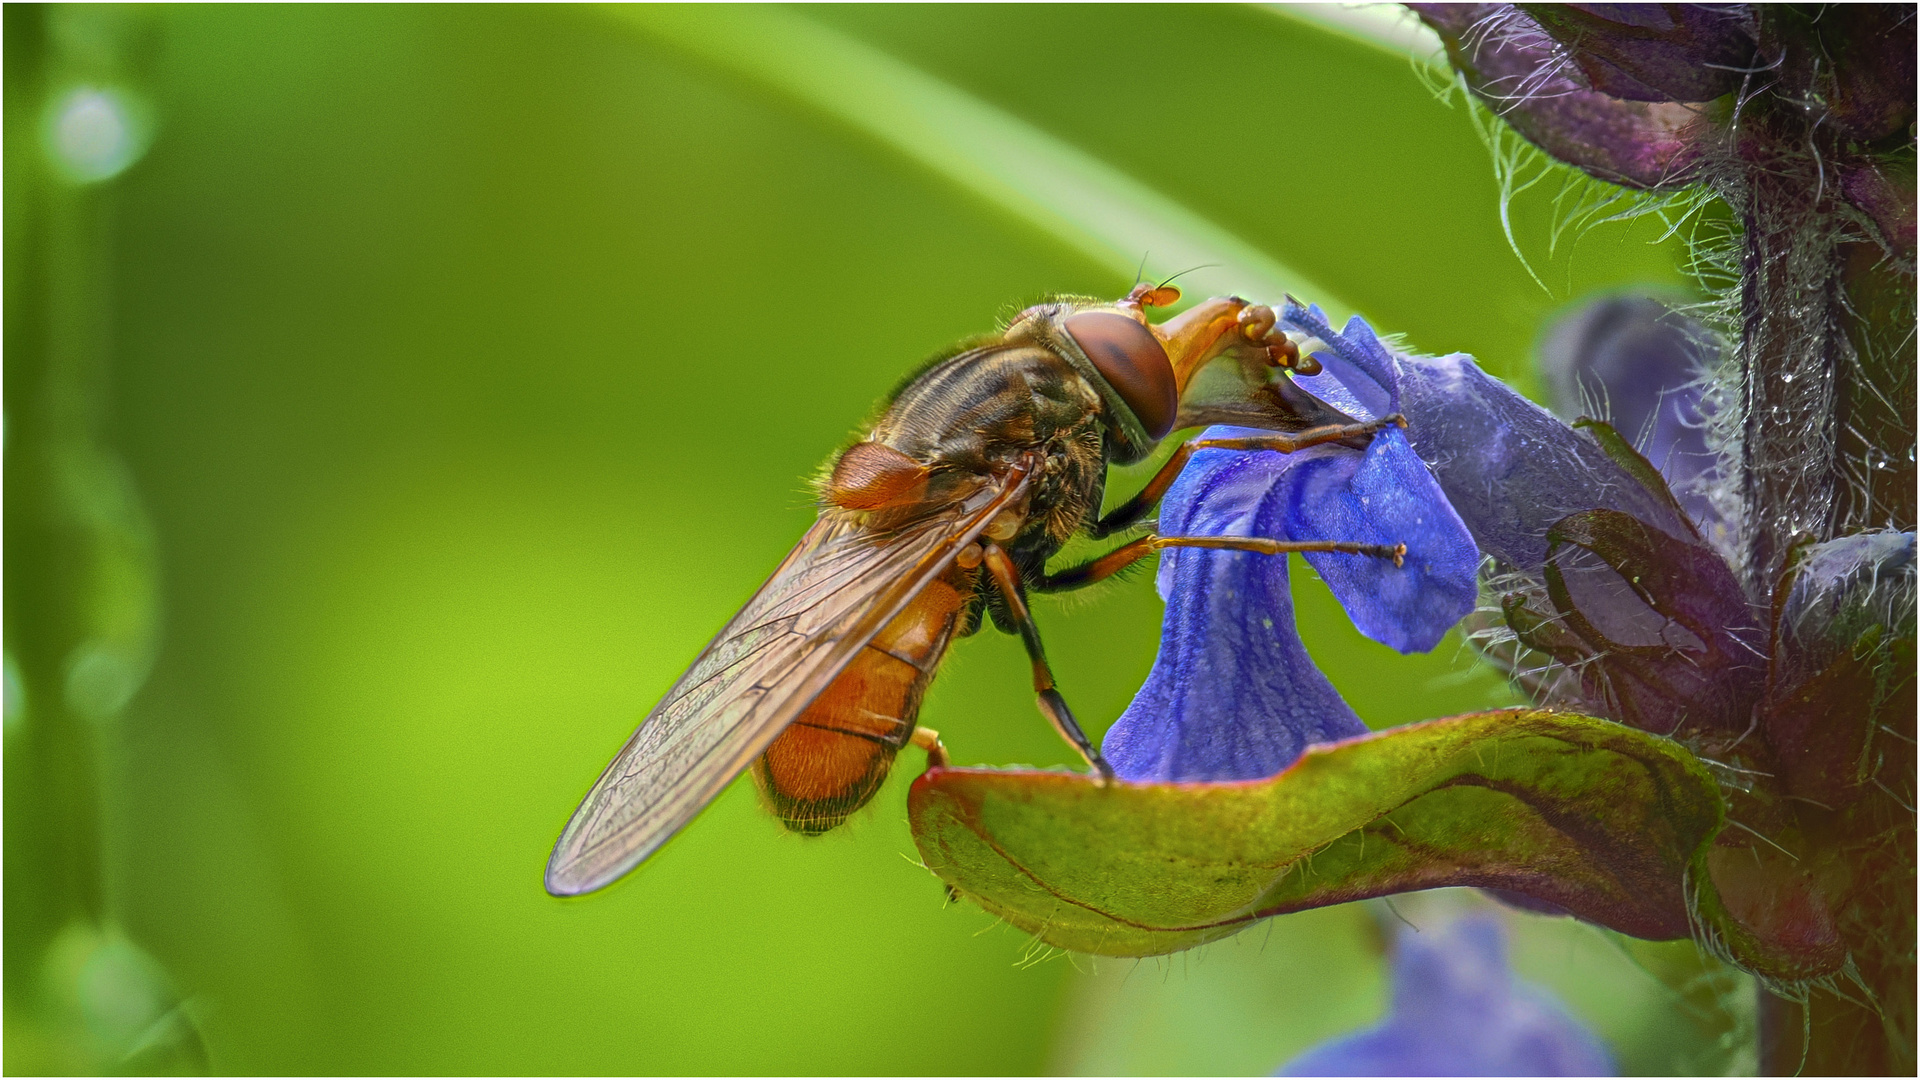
{"points": [[1509, 468], [1233, 694], [1618, 569], [1624, 590], [1457, 1010]]}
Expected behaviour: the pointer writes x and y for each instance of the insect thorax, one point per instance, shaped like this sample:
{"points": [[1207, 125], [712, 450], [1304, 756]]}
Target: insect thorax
{"points": [[983, 409]]}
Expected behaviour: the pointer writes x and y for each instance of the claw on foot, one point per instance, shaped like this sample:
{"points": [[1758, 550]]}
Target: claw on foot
{"points": [[1256, 322], [1102, 772], [929, 740]]}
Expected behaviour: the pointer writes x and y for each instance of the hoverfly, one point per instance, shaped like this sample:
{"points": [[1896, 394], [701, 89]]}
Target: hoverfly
{"points": [[982, 466]]}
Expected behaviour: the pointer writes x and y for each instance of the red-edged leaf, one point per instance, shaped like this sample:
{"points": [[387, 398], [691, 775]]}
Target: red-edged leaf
{"points": [[1603, 820]]}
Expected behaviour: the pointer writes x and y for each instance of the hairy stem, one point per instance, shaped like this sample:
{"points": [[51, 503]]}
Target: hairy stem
{"points": [[1826, 360], [1791, 348]]}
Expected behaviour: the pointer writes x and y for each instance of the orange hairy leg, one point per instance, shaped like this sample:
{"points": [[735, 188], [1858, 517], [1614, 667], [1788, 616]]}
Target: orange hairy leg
{"points": [[1130, 512], [1215, 327]]}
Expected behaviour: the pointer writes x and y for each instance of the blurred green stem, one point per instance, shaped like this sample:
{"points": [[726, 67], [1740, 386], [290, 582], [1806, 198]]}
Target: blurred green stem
{"points": [[81, 607], [1111, 218], [52, 344]]}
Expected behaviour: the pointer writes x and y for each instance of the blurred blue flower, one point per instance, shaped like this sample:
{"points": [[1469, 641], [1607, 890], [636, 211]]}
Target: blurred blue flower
{"points": [[1641, 366], [1233, 694], [1457, 1010]]}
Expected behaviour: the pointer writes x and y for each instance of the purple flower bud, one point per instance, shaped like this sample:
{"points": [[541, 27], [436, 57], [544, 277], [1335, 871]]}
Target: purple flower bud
{"points": [[1842, 639], [1513, 65], [1656, 627], [1884, 192], [1457, 1010], [1654, 52], [1838, 591], [1852, 64]]}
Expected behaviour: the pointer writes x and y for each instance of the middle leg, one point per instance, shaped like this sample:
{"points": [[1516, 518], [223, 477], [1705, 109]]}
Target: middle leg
{"points": [[1052, 705], [1074, 577]]}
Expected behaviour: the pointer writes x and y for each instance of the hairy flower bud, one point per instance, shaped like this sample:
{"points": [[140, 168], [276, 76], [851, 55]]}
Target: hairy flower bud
{"points": [[1653, 52], [1522, 73]]}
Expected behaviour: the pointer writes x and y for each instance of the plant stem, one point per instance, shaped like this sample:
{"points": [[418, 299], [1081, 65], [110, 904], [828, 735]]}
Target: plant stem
{"points": [[52, 760], [1826, 356], [1788, 361]]}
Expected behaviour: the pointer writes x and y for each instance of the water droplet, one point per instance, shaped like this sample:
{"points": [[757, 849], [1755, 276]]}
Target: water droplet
{"points": [[93, 133], [16, 697], [101, 679]]}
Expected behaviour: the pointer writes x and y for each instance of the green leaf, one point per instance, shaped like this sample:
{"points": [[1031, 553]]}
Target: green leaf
{"points": [[1605, 821]]}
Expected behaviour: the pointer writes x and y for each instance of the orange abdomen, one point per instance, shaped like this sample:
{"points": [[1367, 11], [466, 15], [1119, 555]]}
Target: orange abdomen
{"points": [[836, 755]]}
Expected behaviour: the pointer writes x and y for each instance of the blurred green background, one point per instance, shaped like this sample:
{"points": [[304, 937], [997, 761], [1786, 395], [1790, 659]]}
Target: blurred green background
{"points": [[466, 365]]}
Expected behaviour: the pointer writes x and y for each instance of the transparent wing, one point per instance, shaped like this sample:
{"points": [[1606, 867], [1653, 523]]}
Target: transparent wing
{"points": [[838, 588]]}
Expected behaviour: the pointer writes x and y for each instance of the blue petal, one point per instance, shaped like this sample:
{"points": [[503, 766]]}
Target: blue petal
{"points": [[1387, 496], [1362, 367], [1233, 694], [1457, 1011]]}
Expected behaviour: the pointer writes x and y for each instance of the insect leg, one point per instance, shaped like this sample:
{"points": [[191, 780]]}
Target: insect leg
{"points": [[1074, 577], [929, 740], [1129, 513], [1052, 705]]}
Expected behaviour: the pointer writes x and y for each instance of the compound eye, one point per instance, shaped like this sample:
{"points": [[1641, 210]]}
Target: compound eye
{"points": [[1133, 362]]}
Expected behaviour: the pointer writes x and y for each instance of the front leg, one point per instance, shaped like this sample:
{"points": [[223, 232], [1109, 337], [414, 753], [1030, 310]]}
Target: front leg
{"points": [[1129, 513]]}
